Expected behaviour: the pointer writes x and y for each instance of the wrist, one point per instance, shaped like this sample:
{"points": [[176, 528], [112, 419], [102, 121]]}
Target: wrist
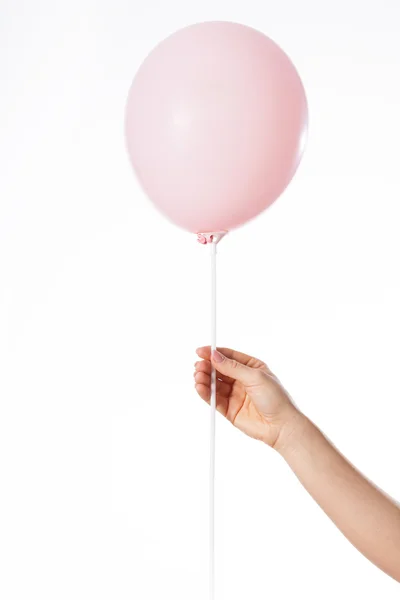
{"points": [[292, 432]]}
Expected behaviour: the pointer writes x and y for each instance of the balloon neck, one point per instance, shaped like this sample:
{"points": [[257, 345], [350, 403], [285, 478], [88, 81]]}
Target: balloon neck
{"points": [[210, 237]]}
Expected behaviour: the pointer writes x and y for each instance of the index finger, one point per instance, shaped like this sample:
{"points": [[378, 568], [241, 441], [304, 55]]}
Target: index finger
{"points": [[250, 361]]}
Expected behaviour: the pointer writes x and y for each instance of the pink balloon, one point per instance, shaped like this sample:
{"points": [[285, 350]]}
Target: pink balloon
{"points": [[216, 122]]}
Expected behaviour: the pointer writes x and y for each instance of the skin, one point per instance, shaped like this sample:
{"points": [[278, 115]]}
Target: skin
{"points": [[252, 398]]}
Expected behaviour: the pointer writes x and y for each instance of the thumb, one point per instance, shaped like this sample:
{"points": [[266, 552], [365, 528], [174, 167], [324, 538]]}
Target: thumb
{"points": [[232, 368]]}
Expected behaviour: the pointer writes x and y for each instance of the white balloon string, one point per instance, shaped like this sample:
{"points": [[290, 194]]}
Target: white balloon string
{"points": [[213, 403]]}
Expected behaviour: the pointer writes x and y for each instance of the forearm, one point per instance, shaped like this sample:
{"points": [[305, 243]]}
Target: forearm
{"points": [[365, 515]]}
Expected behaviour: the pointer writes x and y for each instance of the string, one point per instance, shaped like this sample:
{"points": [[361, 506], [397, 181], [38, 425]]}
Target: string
{"points": [[213, 403]]}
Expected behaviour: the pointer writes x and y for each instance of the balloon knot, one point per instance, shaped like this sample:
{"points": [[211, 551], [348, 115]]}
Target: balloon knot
{"points": [[204, 238], [210, 237]]}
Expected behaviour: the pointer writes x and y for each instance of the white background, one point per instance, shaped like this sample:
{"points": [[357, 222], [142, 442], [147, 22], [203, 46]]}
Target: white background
{"points": [[103, 442]]}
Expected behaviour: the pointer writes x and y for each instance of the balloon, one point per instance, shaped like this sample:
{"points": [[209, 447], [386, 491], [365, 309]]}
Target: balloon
{"points": [[216, 121]]}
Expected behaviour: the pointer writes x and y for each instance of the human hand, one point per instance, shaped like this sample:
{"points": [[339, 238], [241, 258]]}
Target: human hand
{"points": [[249, 395]]}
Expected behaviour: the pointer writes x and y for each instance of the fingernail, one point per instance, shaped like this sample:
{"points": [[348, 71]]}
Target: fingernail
{"points": [[217, 356]]}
